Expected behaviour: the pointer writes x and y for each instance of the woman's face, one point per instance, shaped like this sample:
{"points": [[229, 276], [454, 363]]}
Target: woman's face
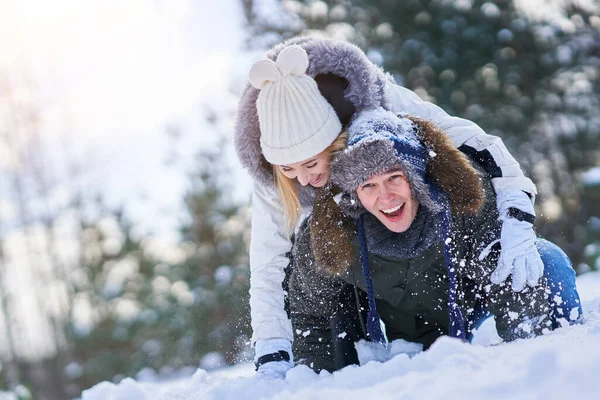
{"points": [[389, 198], [313, 171]]}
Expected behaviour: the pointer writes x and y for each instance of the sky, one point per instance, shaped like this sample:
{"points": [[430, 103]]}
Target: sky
{"points": [[562, 364], [111, 77]]}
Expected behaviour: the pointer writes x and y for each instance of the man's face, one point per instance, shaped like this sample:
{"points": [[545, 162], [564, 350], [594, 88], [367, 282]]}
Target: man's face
{"points": [[389, 198]]}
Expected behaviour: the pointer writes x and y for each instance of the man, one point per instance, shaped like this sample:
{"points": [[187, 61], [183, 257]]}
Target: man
{"points": [[428, 231]]}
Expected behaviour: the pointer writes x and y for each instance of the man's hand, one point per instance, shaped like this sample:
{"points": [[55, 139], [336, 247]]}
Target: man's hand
{"points": [[519, 256]]}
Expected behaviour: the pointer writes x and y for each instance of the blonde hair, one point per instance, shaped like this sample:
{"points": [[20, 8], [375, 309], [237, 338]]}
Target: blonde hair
{"points": [[288, 189]]}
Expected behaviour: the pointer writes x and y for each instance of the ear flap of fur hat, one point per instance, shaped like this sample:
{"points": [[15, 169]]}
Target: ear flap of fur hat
{"points": [[450, 169], [330, 235]]}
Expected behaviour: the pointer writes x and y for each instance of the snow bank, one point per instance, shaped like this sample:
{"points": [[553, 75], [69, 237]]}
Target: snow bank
{"points": [[562, 364]]}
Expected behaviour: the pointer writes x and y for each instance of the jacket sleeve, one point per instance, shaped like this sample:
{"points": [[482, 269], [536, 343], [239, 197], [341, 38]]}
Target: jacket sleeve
{"points": [[313, 344], [323, 309], [489, 151], [268, 247]]}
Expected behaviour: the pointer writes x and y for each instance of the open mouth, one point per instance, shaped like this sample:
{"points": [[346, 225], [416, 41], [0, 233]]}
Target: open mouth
{"points": [[394, 213], [316, 180]]}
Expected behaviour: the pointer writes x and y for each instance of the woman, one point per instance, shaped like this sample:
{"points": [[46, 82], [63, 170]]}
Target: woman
{"points": [[427, 228], [265, 129]]}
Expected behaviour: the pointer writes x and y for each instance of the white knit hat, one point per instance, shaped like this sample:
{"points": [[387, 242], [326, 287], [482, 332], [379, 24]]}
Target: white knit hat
{"points": [[296, 122]]}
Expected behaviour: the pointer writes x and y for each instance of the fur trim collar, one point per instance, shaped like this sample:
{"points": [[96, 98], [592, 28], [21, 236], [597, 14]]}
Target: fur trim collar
{"points": [[451, 170], [366, 90]]}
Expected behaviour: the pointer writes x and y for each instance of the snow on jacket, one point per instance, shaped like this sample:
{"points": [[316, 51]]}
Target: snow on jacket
{"points": [[369, 87], [411, 293]]}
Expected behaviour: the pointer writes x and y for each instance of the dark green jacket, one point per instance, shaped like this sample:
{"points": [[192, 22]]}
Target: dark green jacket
{"points": [[412, 294]]}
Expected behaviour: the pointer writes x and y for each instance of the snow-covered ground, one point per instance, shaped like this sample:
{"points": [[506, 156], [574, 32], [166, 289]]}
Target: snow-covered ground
{"points": [[561, 365]]}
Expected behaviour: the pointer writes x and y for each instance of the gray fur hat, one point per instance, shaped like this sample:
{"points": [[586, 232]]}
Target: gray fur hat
{"points": [[365, 90], [380, 141]]}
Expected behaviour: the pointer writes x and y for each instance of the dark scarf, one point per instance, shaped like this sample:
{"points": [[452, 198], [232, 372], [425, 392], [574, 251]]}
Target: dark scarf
{"points": [[424, 231]]}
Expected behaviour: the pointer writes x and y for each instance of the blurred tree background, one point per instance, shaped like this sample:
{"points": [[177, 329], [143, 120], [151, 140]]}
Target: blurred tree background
{"points": [[533, 80], [113, 303], [157, 311]]}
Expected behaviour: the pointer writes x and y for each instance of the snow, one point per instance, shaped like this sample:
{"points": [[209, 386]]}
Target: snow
{"points": [[305, 333], [561, 364], [591, 177]]}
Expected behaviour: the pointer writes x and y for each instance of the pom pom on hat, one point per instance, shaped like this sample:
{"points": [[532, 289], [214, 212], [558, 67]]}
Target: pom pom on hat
{"points": [[292, 60], [263, 72]]}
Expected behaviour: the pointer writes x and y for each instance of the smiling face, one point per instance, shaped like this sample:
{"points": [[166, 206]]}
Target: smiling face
{"points": [[389, 198], [314, 171]]}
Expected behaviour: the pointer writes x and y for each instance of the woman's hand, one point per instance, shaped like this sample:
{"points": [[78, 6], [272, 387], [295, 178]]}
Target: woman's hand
{"points": [[519, 256]]}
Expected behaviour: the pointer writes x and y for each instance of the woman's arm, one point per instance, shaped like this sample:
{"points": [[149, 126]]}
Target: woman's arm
{"points": [[313, 296], [516, 193], [487, 150], [268, 247]]}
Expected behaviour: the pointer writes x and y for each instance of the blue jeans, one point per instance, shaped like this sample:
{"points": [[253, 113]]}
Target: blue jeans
{"points": [[565, 306]]}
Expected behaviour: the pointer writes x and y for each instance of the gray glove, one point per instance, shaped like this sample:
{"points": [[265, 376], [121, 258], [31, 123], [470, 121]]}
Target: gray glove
{"points": [[270, 358], [519, 255]]}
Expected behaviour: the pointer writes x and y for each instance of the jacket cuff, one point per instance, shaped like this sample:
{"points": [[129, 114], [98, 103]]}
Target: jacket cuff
{"points": [[272, 346]]}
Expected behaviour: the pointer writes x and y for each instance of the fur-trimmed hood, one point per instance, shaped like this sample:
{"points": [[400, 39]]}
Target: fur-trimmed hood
{"points": [[366, 90]]}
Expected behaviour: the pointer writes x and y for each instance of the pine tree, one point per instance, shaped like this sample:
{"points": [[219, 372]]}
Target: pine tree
{"points": [[163, 311], [217, 267]]}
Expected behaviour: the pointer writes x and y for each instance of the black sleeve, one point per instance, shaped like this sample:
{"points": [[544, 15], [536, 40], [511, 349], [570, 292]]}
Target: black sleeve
{"points": [[484, 159], [312, 298], [310, 290], [325, 311], [313, 344]]}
